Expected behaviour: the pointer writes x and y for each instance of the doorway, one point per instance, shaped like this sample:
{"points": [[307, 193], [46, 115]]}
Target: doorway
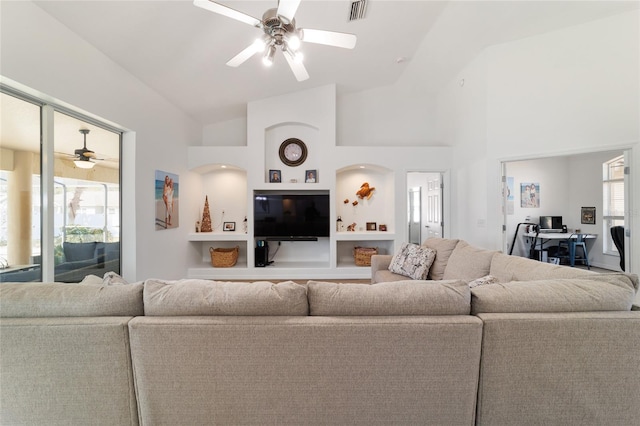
{"points": [[566, 186], [424, 206]]}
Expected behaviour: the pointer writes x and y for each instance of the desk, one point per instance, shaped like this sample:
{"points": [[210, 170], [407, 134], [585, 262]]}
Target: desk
{"points": [[540, 239]]}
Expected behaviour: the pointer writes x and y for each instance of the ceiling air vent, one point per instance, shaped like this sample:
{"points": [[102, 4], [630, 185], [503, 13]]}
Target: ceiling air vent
{"points": [[358, 9]]}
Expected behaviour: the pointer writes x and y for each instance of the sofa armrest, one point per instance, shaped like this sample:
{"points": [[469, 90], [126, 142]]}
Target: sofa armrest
{"points": [[379, 262]]}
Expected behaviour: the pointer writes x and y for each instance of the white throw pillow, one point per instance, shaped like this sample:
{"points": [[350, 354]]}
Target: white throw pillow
{"points": [[413, 261]]}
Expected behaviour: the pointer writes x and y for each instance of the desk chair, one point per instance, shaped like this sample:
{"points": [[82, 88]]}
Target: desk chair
{"points": [[617, 234], [571, 244]]}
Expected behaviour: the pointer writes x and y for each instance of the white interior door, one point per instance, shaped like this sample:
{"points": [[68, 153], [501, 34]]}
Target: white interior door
{"points": [[433, 194]]}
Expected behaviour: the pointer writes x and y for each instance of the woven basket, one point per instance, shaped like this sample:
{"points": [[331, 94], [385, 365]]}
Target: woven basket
{"points": [[224, 257], [362, 255]]}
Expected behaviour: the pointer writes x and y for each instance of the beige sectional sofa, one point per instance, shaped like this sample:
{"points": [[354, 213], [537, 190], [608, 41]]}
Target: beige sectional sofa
{"points": [[556, 349]]}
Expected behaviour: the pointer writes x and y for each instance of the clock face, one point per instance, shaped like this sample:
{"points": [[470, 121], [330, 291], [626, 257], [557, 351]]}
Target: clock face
{"points": [[293, 152]]}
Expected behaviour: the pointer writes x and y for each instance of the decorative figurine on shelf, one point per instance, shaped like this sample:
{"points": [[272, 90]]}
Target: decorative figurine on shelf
{"points": [[339, 225], [245, 225], [346, 201], [355, 203], [365, 191], [206, 217], [351, 227], [197, 226]]}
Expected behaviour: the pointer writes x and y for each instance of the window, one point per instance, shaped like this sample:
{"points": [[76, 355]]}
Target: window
{"points": [[612, 200], [81, 201]]}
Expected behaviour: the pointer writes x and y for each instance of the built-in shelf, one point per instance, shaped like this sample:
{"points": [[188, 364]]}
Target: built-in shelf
{"points": [[365, 236], [217, 236]]}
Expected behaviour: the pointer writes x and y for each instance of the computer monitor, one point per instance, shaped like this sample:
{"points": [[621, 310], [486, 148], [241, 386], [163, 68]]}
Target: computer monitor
{"points": [[550, 222]]}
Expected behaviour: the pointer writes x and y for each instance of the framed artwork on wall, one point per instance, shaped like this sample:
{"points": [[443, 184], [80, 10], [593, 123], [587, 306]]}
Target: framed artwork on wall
{"points": [[588, 215], [166, 200]]}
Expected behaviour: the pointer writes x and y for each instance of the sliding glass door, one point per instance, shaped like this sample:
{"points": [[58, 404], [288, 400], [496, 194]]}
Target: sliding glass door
{"points": [[59, 194]]}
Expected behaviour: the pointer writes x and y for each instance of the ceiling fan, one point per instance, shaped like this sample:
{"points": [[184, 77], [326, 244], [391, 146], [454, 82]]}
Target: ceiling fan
{"points": [[84, 157], [280, 31]]}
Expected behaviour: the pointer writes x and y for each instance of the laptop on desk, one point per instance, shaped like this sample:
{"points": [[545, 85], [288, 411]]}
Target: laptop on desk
{"points": [[551, 224]]}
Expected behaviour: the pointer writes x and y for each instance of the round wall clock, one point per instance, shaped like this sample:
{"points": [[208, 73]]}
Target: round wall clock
{"points": [[293, 152]]}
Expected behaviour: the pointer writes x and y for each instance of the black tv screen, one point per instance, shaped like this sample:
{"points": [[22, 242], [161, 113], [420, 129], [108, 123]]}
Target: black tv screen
{"points": [[291, 214]]}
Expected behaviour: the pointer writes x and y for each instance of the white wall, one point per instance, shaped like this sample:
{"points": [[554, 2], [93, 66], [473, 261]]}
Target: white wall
{"points": [[42, 54], [569, 91]]}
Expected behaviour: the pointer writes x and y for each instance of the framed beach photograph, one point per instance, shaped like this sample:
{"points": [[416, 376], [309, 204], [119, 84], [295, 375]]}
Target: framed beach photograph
{"points": [[530, 195], [588, 215], [229, 226], [166, 200], [275, 176]]}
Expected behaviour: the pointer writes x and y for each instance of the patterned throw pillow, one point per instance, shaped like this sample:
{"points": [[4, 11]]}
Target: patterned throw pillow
{"points": [[413, 261], [487, 279]]}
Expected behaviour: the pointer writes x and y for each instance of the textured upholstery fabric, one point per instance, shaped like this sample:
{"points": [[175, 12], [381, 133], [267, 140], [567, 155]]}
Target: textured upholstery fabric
{"points": [[443, 247], [468, 262], [32, 300], [514, 268], [412, 261], [66, 371], [385, 275], [598, 292], [393, 298], [306, 370], [203, 297], [560, 369]]}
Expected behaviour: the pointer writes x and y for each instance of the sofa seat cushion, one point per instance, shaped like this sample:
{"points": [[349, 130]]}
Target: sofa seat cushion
{"points": [[33, 300], [391, 298], [204, 297], [514, 268], [412, 261], [468, 262], [443, 247], [597, 292]]}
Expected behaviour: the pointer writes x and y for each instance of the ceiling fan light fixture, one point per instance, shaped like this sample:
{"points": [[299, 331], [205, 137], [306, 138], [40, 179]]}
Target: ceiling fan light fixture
{"points": [[84, 164], [269, 53], [294, 41]]}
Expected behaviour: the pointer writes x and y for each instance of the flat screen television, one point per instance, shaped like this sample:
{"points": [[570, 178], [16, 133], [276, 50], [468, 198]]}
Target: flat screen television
{"points": [[550, 222], [291, 215]]}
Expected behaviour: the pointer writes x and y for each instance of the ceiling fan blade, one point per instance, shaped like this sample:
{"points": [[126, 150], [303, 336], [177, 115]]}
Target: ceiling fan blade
{"points": [[239, 59], [288, 8], [89, 154], [228, 12], [330, 38], [297, 67]]}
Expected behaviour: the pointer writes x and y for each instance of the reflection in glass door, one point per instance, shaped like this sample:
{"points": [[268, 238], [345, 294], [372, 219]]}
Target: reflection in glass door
{"points": [[20, 242]]}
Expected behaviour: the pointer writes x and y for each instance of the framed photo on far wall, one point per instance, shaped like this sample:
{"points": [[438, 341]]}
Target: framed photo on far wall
{"points": [[588, 215], [229, 226]]}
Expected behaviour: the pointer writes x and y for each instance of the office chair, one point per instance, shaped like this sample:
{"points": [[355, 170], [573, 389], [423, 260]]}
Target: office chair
{"points": [[617, 234], [572, 244]]}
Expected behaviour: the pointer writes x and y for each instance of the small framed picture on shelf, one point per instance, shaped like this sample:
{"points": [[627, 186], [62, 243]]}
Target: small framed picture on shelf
{"points": [[371, 226], [382, 227], [275, 176], [229, 226], [311, 176]]}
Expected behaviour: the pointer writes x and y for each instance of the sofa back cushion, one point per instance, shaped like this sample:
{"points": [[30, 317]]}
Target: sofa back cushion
{"points": [[204, 297], [468, 262], [391, 298], [443, 247], [79, 251], [33, 300], [514, 268], [597, 292]]}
